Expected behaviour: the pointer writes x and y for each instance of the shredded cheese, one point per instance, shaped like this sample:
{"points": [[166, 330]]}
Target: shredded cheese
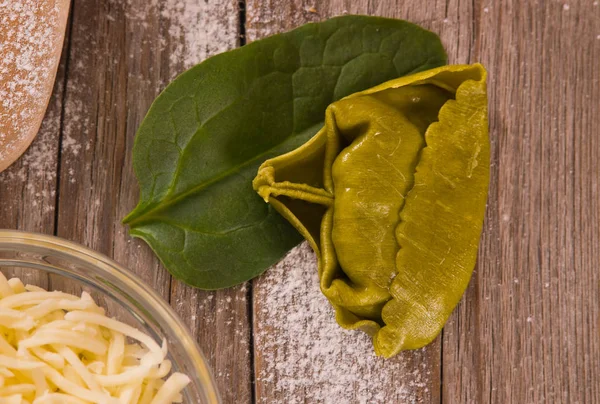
{"points": [[60, 348]]}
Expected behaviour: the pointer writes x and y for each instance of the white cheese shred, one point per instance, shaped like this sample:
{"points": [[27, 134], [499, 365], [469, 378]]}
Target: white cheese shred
{"points": [[60, 348]]}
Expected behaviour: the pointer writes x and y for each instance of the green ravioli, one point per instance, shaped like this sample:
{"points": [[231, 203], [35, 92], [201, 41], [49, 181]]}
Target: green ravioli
{"points": [[391, 195]]}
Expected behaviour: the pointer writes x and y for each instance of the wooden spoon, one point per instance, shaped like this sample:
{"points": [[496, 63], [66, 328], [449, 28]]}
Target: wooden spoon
{"points": [[31, 41]]}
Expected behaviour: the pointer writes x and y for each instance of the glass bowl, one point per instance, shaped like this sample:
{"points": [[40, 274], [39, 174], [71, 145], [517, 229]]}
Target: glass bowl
{"points": [[56, 264]]}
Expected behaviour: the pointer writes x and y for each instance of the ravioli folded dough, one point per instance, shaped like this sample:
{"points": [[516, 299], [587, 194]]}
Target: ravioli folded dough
{"points": [[391, 195]]}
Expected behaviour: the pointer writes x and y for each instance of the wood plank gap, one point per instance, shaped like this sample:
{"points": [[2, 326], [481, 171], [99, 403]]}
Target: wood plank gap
{"points": [[218, 319], [250, 308], [415, 375], [242, 22], [249, 296], [67, 51], [441, 400]]}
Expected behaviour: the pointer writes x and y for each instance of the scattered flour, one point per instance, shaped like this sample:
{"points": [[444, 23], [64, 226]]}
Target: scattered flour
{"points": [[196, 29], [39, 161], [69, 144], [28, 44], [200, 29], [264, 21], [35, 171], [304, 356]]}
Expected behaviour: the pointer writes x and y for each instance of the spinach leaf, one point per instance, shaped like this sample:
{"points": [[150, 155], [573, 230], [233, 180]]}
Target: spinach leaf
{"points": [[199, 147]]}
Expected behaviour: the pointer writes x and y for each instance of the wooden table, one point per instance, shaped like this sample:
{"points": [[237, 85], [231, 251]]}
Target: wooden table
{"points": [[528, 327]]}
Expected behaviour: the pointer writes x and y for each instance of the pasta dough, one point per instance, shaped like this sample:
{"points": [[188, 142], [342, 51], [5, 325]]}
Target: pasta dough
{"points": [[391, 195]]}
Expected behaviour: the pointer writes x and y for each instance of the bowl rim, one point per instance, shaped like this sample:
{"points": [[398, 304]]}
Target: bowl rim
{"points": [[129, 278]]}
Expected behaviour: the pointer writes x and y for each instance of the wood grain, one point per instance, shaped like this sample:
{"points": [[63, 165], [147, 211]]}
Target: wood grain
{"points": [[220, 320], [263, 18], [528, 331], [122, 54], [528, 328], [28, 186], [32, 38]]}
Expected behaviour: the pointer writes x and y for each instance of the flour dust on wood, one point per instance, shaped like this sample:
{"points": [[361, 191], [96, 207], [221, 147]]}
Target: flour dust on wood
{"points": [[196, 29], [303, 355], [31, 34]]}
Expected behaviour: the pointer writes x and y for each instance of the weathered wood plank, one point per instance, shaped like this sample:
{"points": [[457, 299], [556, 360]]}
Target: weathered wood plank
{"points": [[32, 38], [122, 54], [220, 319], [28, 186], [94, 135], [337, 366], [529, 328], [303, 356]]}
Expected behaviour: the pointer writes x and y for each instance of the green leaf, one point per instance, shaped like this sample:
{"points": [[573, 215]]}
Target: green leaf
{"points": [[200, 145]]}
